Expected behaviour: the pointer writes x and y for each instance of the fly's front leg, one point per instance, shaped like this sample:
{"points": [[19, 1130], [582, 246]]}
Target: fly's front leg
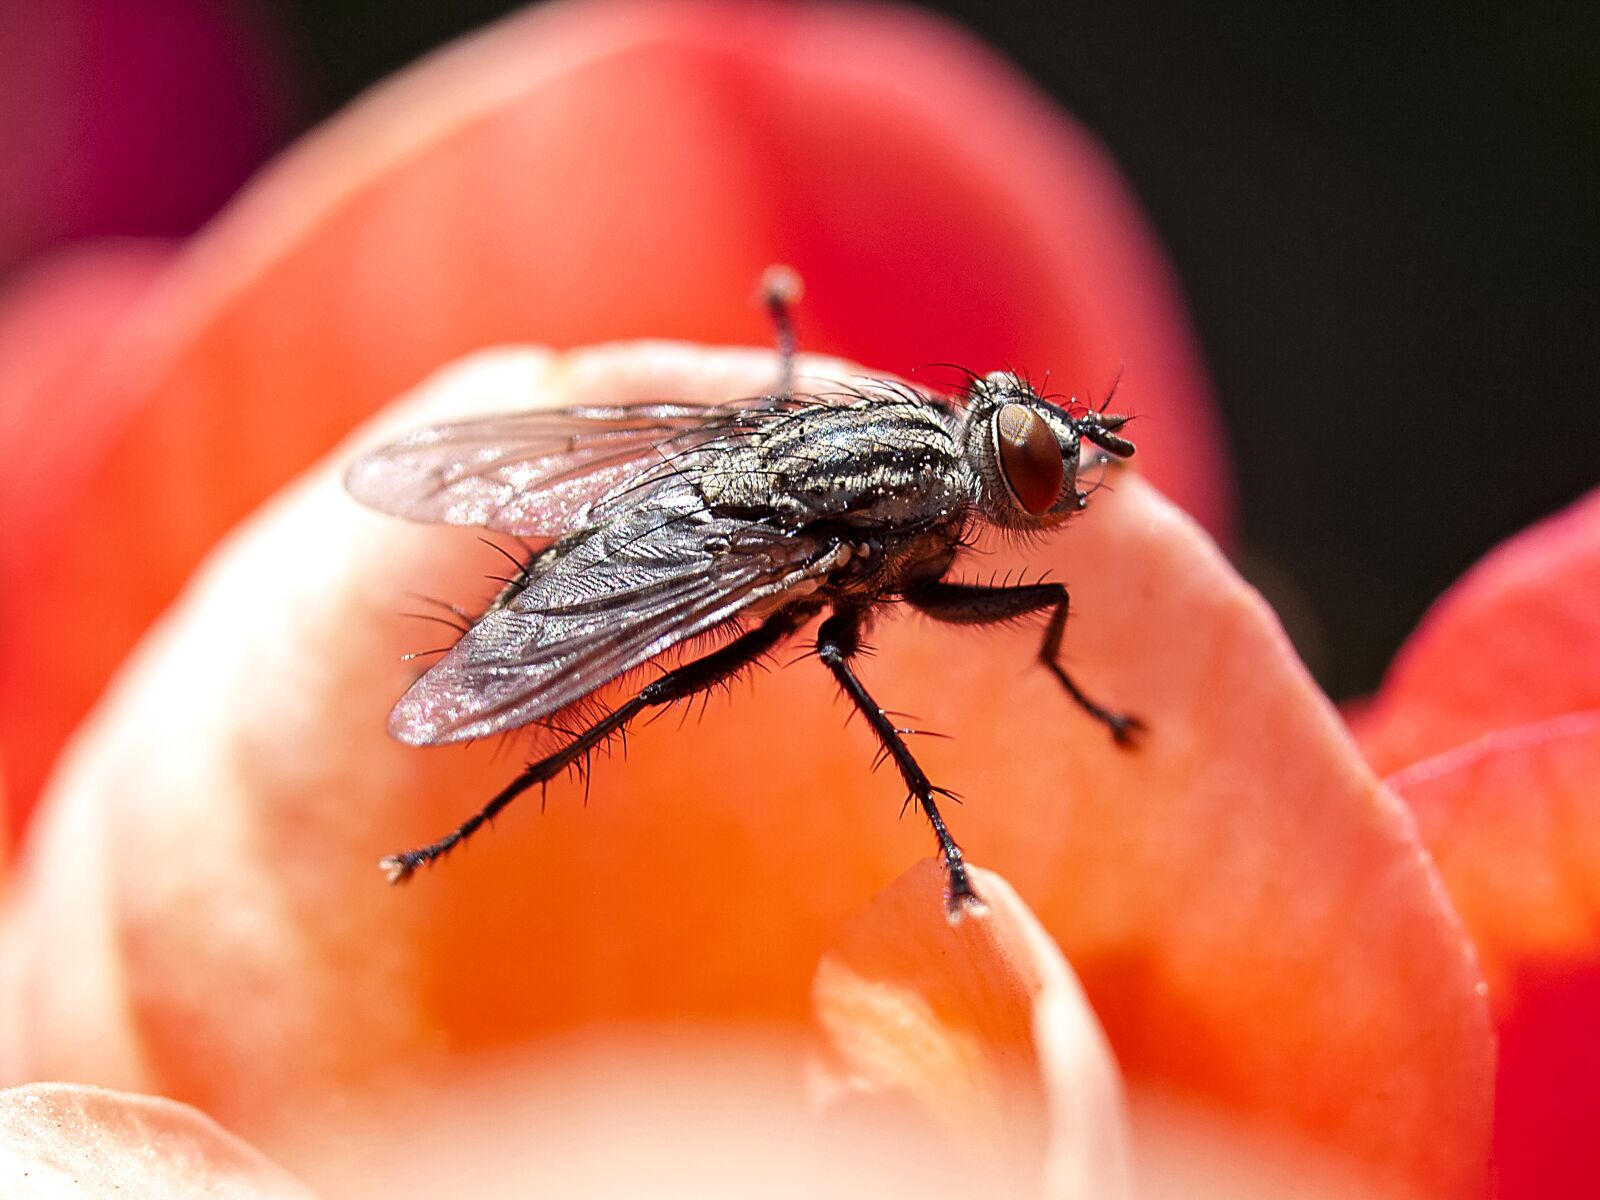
{"points": [[685, 681], [838, 640], [974, 604]]}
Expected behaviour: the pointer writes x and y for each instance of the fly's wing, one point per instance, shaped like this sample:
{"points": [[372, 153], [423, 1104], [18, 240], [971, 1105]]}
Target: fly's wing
{"points": [[531, 473], [607, 601]]}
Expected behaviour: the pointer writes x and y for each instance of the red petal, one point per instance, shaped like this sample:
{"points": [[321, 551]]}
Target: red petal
{"points": [[1513, 821], [600, 170], [55, 430], [1516, 641]]}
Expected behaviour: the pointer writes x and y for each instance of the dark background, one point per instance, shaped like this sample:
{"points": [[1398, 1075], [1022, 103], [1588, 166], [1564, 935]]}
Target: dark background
{"points": [[1386, 224]]}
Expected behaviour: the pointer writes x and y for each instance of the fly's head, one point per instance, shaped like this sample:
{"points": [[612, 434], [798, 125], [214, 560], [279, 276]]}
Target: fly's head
{"points": [[1023, 451]]}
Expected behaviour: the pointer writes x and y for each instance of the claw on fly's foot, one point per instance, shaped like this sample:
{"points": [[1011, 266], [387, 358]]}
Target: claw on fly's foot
{"points": [[397, 868], [961, 902], [1125, 730]]}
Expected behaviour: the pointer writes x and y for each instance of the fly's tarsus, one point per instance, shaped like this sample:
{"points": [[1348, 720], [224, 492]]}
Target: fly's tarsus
{"points": [[838, 640], [977, 604], [398, 868], [1124, 727], [684, 682]]}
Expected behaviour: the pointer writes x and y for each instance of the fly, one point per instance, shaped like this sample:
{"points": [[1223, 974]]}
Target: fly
{"points": [[665, 522]]}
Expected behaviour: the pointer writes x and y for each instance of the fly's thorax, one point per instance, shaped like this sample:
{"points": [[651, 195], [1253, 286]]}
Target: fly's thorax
{"points": [[1021, 454], [883, 463]]}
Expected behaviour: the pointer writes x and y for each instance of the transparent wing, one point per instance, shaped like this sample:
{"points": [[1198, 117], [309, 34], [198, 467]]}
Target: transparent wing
{"points": [[530, 473], [605, 603]]}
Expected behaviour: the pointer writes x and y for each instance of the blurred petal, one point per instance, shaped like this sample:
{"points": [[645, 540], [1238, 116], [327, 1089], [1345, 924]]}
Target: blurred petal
{"points": [[1250, 912], [596, 170], [1492, 709], [54, 434], [982, 1026], [77, 1142], [672, 1114], [1513, 821], [1515, 641], [1184, 1152]]}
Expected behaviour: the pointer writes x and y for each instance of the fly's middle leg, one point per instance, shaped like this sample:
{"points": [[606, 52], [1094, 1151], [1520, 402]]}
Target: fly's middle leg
{"points": [[838, 640], [974, 604], [687, 680]]}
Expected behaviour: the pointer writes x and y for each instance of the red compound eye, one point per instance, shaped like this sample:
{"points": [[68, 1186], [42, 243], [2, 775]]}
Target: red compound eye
{"points": [[1030, 458]]}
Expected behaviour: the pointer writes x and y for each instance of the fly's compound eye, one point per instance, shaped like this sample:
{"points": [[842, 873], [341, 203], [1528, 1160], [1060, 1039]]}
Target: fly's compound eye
{"points": [[1030, 458]]}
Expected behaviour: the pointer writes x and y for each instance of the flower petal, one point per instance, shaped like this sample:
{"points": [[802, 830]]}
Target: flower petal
{"points": [[54, 430], [982, 1025], [598, 170], [1513, 821], [1515, 641], [1493, 711], [78, 1142], [673, 1113], [1250, 912]]}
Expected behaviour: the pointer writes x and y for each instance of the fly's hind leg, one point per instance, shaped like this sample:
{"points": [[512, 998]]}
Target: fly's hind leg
{"points": [[780, 292], [687, 680], [974, 604], [838, 640]]}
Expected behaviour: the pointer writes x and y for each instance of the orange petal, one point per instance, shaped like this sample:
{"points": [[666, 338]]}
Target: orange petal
{"points": [[78, 1142], [1515, 641], [981, 1024], [1513, 821], [591, 171], [1250, 912]]}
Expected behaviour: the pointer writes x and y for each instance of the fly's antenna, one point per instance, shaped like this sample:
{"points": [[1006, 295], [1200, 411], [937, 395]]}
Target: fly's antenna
{"points": [[1100, 428], [781, 289]]}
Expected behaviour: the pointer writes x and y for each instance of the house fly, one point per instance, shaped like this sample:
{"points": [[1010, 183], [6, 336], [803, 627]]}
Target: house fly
{"points": [[654, 524]]}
